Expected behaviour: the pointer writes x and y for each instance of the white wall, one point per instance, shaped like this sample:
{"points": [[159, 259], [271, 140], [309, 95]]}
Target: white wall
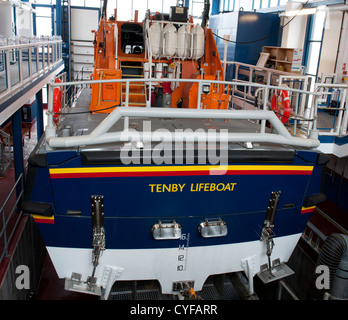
{"points": [[294, 32], [330, 42]]}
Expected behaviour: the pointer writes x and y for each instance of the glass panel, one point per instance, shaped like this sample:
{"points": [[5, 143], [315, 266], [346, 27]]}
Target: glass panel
{"points": [[50, 53], [40, 57], [282, 2], [3, 77], [14, 68], [274, 3], [313, 54], [25, 59], [33, 60], [46, 55]]}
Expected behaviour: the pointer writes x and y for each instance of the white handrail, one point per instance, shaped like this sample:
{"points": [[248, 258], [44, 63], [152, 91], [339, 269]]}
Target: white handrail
{"points": [[101, 135]]}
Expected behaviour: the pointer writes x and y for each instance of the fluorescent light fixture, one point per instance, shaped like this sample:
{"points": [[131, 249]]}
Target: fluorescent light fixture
{"points": [[299, 12]]}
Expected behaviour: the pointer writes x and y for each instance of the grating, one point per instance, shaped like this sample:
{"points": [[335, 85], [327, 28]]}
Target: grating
{"points": [[151, 290]]}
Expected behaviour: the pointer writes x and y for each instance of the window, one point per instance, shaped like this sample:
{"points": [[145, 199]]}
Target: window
{"points": [[315, 32], [43, 20], [77, 3]]}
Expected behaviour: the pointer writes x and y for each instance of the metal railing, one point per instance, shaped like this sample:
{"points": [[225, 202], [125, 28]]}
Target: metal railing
{"points": [[10, 217], [331, 109], [23, 60], [327, 113], [100, 134]]}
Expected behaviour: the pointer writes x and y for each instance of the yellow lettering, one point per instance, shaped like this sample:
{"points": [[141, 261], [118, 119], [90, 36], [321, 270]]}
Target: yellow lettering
{"points": [[165, 187], [181, 187], [222, 187], [195, 187]]}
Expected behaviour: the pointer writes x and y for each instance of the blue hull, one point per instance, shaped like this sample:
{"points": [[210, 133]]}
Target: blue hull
{"points": [[133, 204]]}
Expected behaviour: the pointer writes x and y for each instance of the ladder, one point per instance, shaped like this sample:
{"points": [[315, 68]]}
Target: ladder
{"points": [[137, 95]]}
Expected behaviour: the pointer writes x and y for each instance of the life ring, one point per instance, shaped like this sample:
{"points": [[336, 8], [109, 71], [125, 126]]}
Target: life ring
{"points": [[57, 102], [281, 105]]}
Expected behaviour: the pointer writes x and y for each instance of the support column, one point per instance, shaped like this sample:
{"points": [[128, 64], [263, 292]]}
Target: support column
{"points": [[39, 115], [17, 146]]}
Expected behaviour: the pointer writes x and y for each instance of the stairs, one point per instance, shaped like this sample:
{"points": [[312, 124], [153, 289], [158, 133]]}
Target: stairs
{"points": [[137, 94]]}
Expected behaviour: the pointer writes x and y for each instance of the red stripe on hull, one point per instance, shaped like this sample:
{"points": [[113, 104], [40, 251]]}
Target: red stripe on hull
{"points": [[47, 221], [175, 173]]}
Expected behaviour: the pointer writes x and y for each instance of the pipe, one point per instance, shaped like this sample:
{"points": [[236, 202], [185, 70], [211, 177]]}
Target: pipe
{"points": [[334, 255], [340, 283]]}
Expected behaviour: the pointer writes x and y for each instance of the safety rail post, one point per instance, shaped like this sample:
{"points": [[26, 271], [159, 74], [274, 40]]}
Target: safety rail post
{"points": [[265, 100], [344, 125], [127, 92], [199, 95]]}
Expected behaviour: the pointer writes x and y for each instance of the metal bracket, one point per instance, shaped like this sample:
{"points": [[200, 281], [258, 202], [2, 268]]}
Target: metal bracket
{"points": [[74, 283], [249, 267], [109, 277], [279, 270], [267, 233], [97, 208]]}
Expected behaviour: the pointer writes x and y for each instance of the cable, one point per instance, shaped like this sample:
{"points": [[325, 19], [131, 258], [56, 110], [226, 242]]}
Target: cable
{"points": [[261, 39], [82, 112]]}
